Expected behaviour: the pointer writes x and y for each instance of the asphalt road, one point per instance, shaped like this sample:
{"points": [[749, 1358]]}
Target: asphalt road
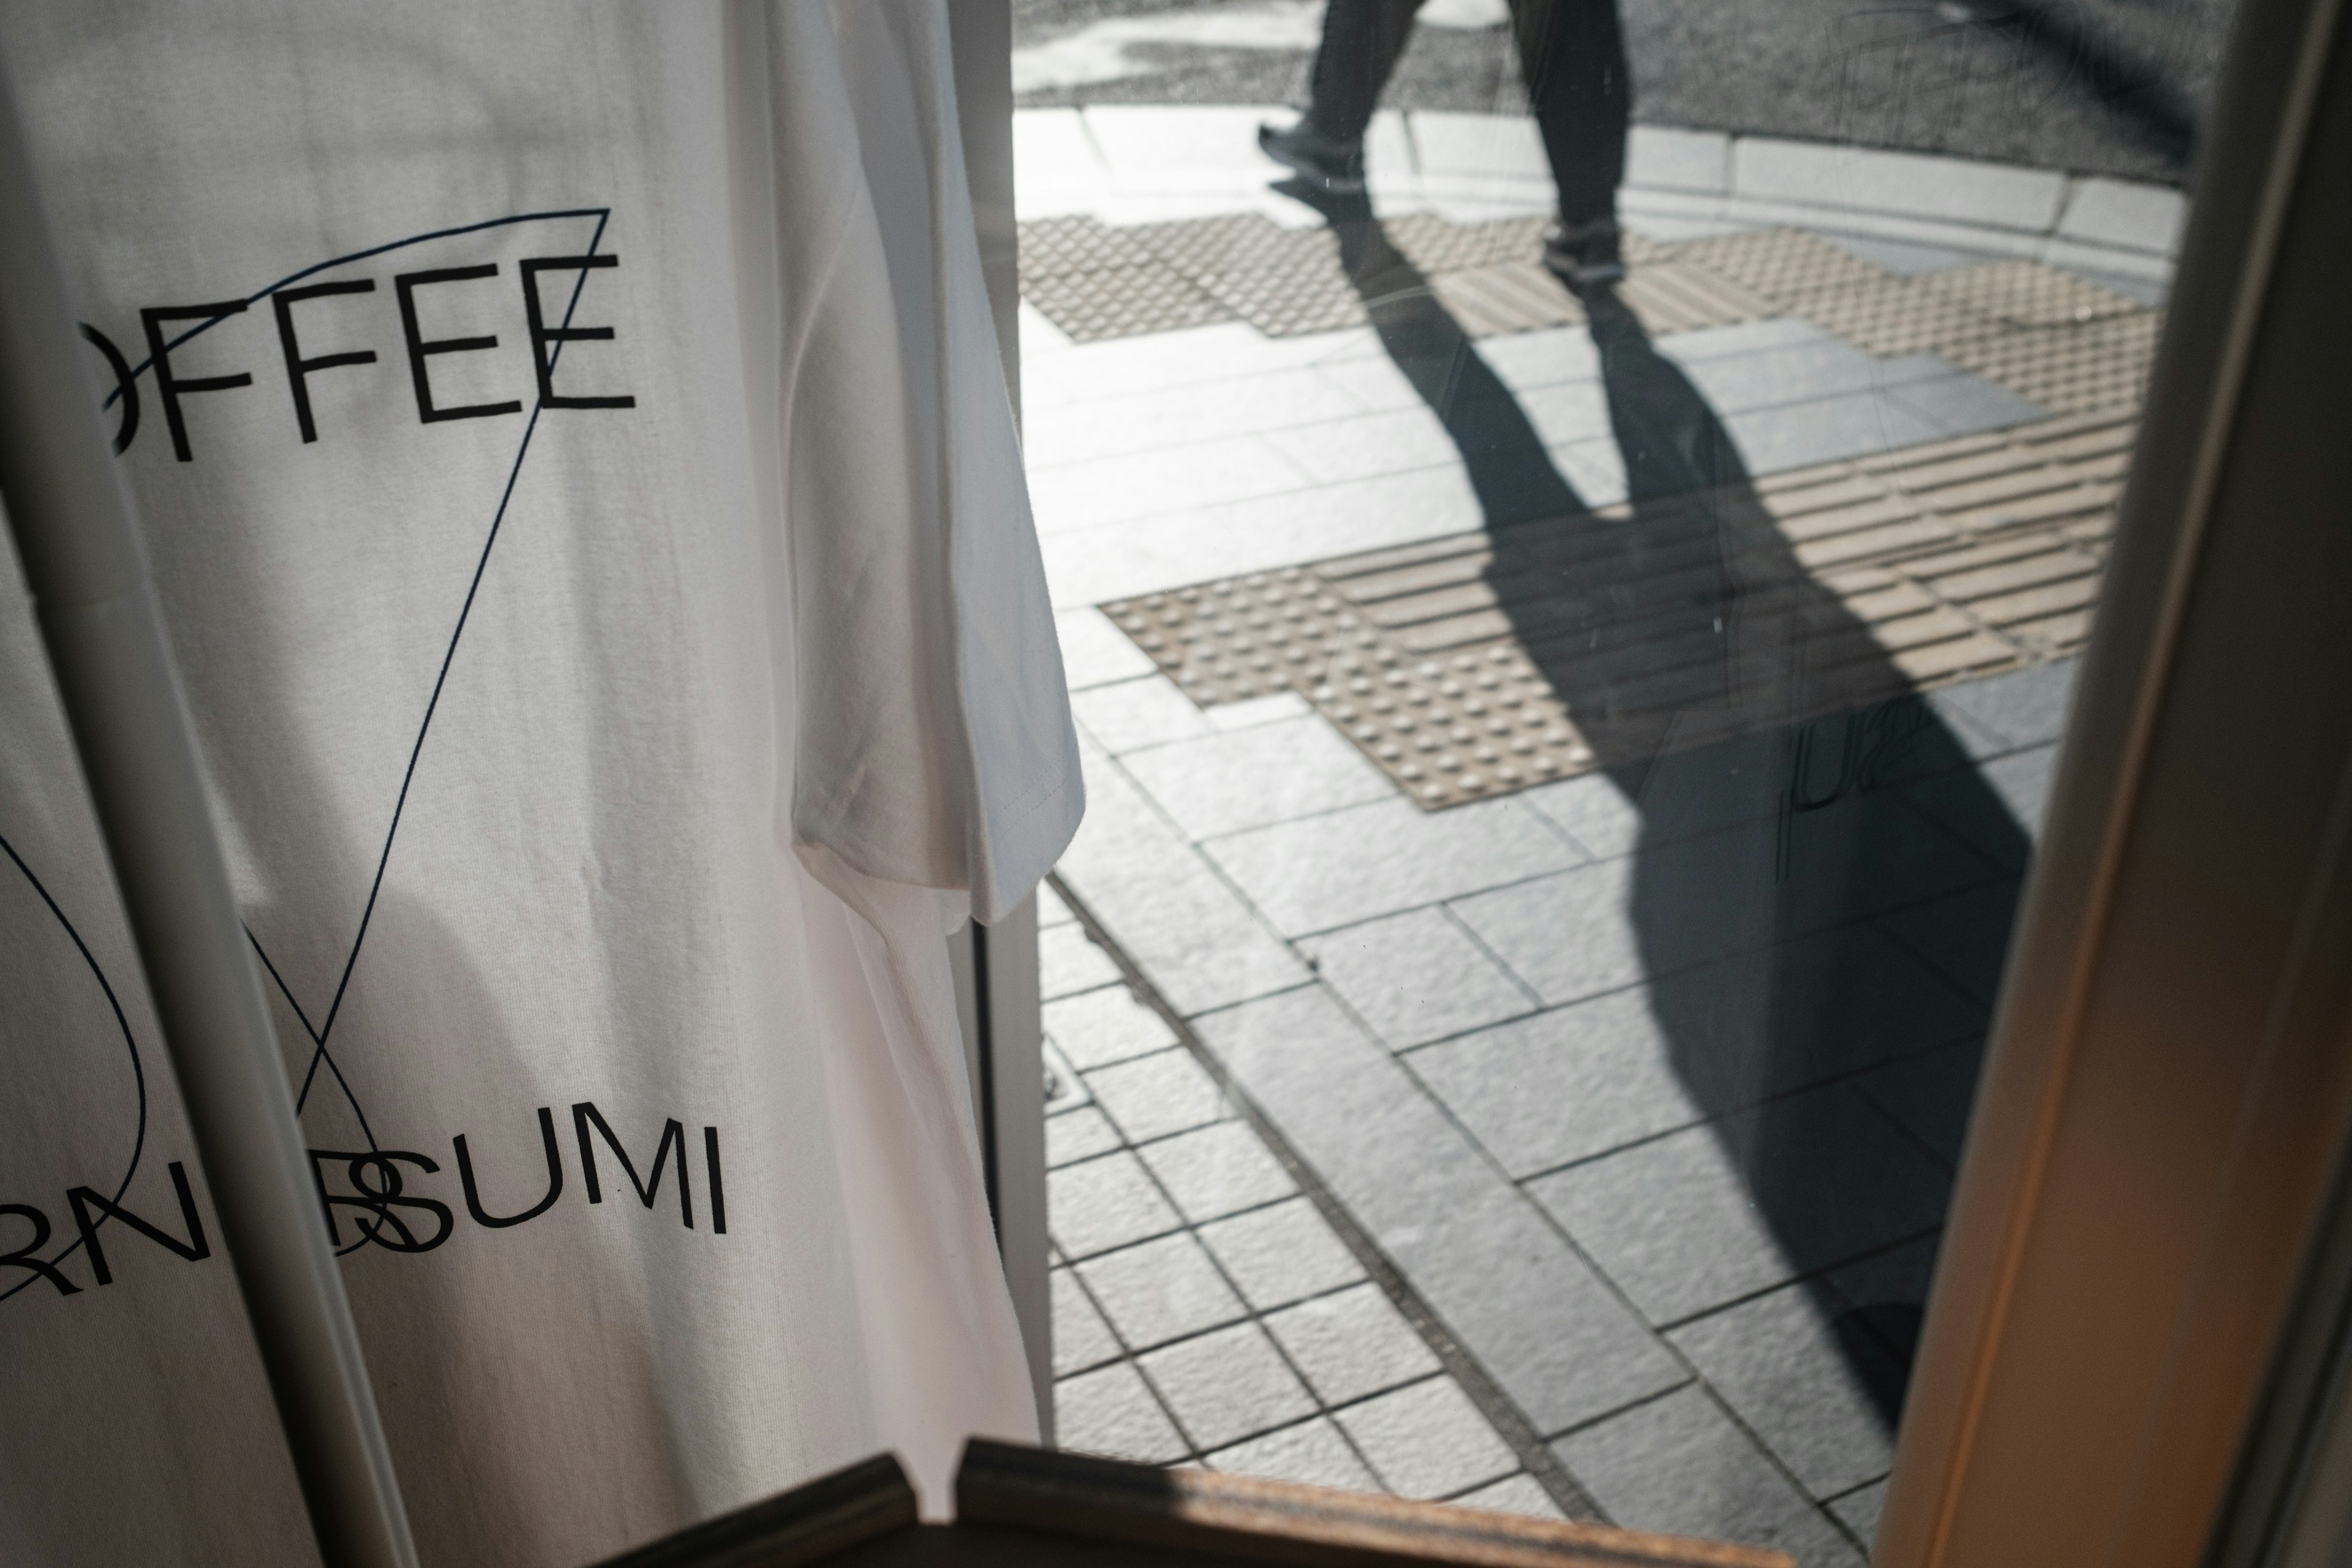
{"points": [[2112, 86]]}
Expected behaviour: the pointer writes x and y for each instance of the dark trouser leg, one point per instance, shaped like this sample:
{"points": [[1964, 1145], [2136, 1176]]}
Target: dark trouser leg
{"points": [[1573, 54], [1362, 41]]}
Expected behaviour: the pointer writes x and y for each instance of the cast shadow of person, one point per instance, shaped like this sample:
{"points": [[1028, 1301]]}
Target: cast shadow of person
{"points": [[1819, 885]]}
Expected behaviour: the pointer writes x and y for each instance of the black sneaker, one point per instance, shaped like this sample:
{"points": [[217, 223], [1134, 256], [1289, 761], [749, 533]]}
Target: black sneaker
{"points": [[1325, 163], [1586, 255]]}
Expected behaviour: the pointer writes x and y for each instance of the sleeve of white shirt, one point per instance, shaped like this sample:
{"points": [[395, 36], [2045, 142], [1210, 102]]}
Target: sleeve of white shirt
{"points": [[935, 742]]}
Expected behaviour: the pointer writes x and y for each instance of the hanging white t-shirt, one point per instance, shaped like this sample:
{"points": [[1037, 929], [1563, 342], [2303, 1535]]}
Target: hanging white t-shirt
{"points": [[578, 479]]}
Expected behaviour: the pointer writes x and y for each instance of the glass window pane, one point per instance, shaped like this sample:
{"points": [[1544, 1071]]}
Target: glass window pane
{"points": [[1573, 528]]}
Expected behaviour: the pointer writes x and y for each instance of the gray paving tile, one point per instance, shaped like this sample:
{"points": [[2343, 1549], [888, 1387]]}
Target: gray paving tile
{"points": [[1594, 470], [1931, 1097], [1201, 945], [1371, 384], [1095, 652], [1821, 1394], [1065, 1087], [1888, 1293], [1521, 1493], [1251, 712], [1103, 1203], [1154, 1096], [1111, 1411], [1600, 927], [2025, 708], [1563, 1085], [1567, 411], [1095, 1028], [1859, 1510], [1863, 855], [1415, 977], [1964, 405], [1799, 435], [1312, 1453], [1428, 1440], [1160, 417], [1282, 1254], [1129, 714], [1515, 1295], [1964, 937], [1902, 257], [1228, 1385], [1734, 383], [1051, 910], [1161, 1290], [1995, 808], [1111, 490], [1682, 795], [1812, 1008], [1068, 963], [1679, 1464], [1125, 365], [1528, 360], [1081, 1338], [1250, 778], [1080, 1135], [1352, 1345], [1365, 445], [1372, 860], [1740, 337], [1093, 565], [2022, 782], [1216, 1171], [1702, 1217], [1570, 935]]}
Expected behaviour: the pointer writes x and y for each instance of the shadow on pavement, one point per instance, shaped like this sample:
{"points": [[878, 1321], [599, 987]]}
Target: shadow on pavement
{"points": [[1822, 882]]}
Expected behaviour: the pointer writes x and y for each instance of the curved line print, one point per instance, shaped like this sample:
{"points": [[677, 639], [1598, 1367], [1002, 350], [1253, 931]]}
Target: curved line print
{"points": [[318, 1034], [137, 1071]]}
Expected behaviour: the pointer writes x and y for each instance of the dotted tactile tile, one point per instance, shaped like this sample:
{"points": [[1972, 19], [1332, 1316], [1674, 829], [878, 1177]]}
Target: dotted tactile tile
{"points": [[1506, 297], [1897, 316], [1053, 247], [1122, 301], [1785, 265], [1674, 296], [1479, 664], [1434, 245], [1247, 637], [2098, 364], [2027, 294], [1287, 282]]}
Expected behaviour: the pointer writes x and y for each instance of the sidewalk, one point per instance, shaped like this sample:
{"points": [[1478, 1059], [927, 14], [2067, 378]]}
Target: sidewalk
{"points": [[1461, 1091]]}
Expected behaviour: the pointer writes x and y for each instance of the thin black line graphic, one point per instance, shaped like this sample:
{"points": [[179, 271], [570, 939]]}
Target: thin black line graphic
{"points": [[137, 1071], [319, 1031], [472, 588]]}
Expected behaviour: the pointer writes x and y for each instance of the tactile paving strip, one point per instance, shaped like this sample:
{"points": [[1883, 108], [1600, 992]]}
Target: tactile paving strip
{"points": [[2099, 365], [2063, 341], [1288, 282], [1123, 303], [1480, 664]]}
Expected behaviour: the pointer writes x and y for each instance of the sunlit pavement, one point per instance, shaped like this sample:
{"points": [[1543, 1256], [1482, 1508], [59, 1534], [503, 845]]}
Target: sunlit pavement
{"points": [[1581, 1145]]}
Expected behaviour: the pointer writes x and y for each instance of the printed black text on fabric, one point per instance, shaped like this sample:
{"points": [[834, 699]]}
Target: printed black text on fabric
{"points": [[393, 1211], [310, 318]]}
